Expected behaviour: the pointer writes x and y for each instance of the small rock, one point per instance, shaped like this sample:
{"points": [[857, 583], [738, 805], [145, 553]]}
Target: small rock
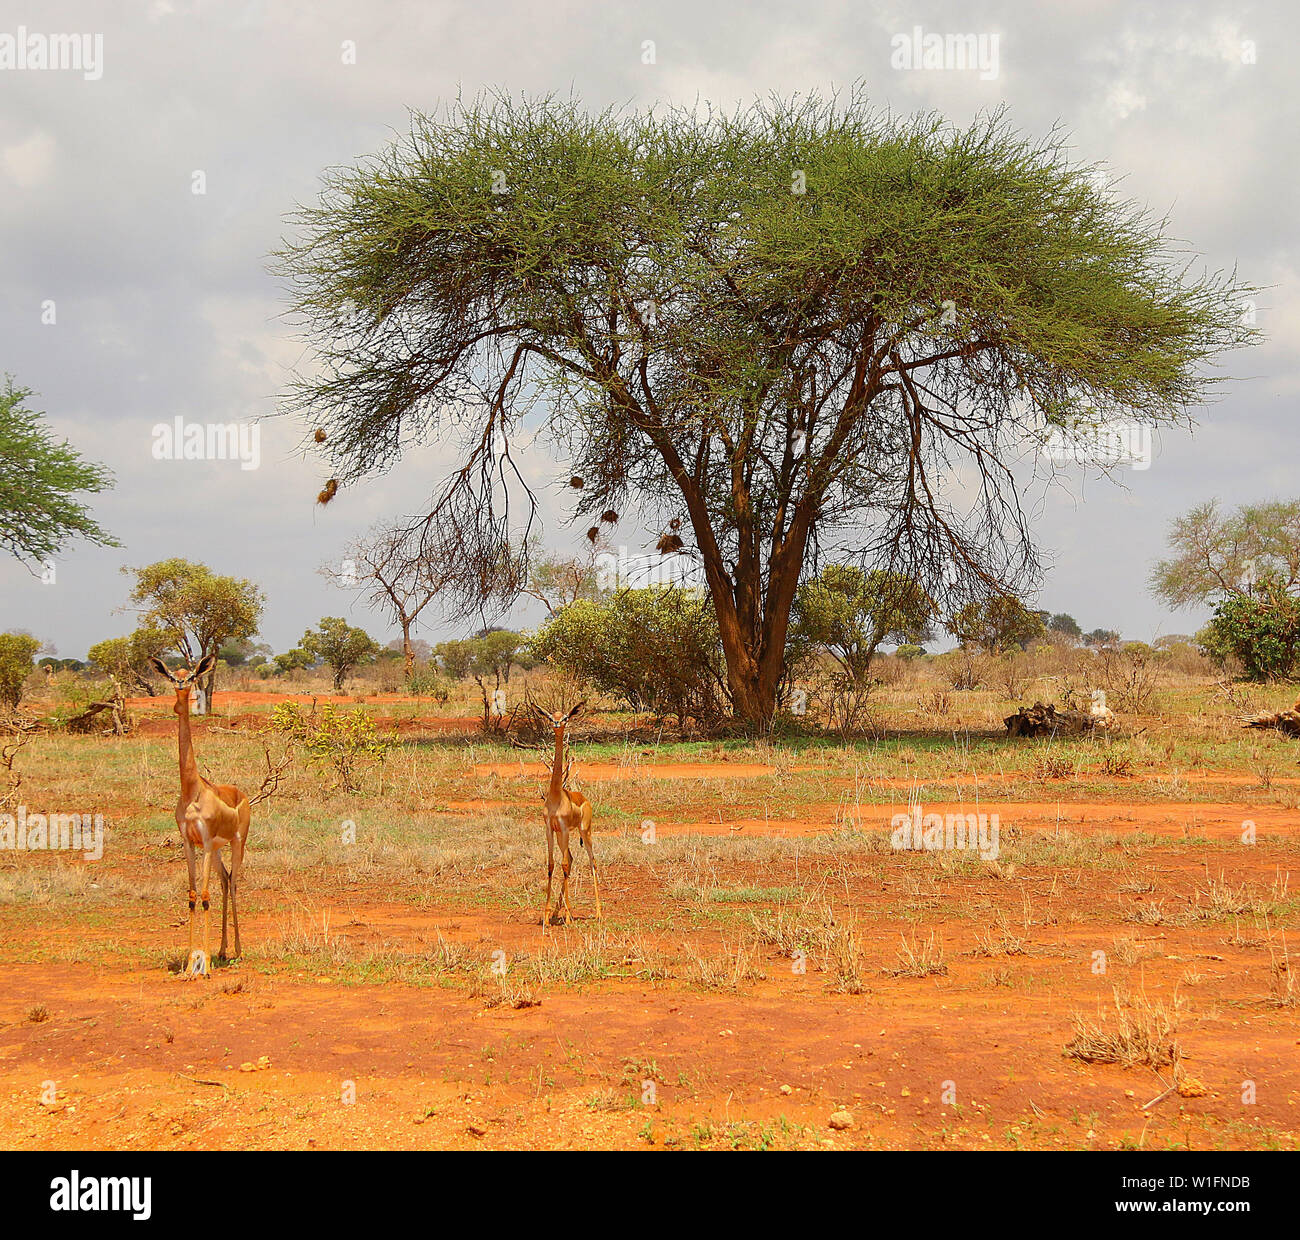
{"points": [[1190, 1087], [841, 1120], [785, 1089], [476, 1130]]}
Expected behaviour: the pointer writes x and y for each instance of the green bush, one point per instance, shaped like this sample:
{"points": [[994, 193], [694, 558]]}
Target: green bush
{"points": [[16, 653], [425, 682], [656, 649], [1260, 630], [341, 740]]}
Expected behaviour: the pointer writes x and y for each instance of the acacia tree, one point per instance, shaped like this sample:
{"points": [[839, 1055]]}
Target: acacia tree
{"points": [[127, 658], [788, 328], [197, 609], [850, 613], [556, 580], [1217, 555], [997, 625], [39, 481], [340, 646], [393, 578]]}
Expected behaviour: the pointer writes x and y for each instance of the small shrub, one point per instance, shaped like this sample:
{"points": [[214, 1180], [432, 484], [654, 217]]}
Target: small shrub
{"points": [[340, 740]]}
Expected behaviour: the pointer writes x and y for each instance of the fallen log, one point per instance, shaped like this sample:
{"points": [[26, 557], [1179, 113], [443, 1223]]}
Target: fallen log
{"points": [[1285, 721], [89, 720], [1040, 720]]}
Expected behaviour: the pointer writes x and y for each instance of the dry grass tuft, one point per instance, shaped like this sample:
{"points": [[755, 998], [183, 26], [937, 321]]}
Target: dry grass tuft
{"points": [[1139, 1032]]}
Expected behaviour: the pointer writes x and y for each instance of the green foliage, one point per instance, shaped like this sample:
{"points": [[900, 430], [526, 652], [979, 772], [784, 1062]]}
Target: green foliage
{"points": [[343, 741], [235, 652], [1065, 625], [293, 660], [127, 658], [61, 665], [1260, 631], [786, 366], [16, 653], [558, 580], [197, 609], [997, 625], [1217, 555], [488, 654], [39, 478], [340, 646], [849, 613], [656, 649], [1100, 639], [424, 681], [908, 651]]}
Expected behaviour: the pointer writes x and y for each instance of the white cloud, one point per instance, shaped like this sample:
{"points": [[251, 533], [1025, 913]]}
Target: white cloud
{"points": [[29, 163]]}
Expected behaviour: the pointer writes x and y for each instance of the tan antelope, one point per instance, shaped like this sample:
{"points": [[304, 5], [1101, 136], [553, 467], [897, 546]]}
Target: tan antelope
{"points": [[566, 810], [211, 817]]}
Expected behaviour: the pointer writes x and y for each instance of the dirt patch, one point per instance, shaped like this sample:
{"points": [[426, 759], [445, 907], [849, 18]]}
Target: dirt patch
{"points": [[1174, 818], [603, 772]]}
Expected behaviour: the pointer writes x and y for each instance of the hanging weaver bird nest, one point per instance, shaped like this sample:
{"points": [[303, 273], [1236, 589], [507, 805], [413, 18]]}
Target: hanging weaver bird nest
{"points": [[576, 483], [328, 491], [319, 436], [669, 544]]}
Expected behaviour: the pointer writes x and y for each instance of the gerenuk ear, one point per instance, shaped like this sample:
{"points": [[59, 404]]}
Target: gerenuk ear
{"points": [[205, 665], [575, 710], [162, 669]]}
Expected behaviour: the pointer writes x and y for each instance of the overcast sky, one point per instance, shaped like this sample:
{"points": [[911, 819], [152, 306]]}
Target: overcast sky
{"points": [[163, 305]]}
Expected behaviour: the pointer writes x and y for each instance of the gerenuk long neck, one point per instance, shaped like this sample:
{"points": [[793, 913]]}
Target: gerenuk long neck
{"points": [[189, 767], [557, 767]]}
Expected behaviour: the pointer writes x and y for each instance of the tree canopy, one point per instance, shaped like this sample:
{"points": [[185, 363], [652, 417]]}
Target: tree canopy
{"points": [[850, 613], [1216, 555], [197, 609], [40, 479], [1065, 625], [788, 327], [340, 646], [1261, 631], [128, 657], [997, 625], [400, 584]]}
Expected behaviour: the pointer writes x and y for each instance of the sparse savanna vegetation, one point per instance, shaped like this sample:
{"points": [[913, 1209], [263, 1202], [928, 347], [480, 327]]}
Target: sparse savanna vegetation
{"points": [[398, 867], [804, 827]]}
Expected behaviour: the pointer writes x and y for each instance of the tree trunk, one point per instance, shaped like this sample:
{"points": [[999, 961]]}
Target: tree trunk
{"points": [[408, 655], [756, 659], [208, 685]]}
